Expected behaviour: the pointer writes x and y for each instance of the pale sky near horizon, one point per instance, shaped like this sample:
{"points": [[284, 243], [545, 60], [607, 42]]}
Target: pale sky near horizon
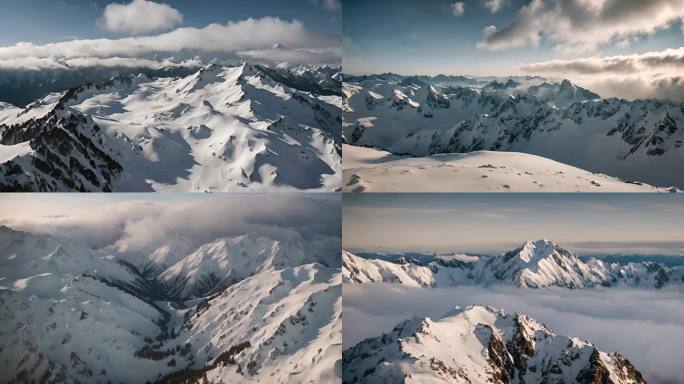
{"points": [[493, 223]]}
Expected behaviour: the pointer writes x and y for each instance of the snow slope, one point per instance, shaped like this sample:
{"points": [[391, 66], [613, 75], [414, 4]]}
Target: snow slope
{"points": [[537, 264], [634, 140], [73, 314], [217, 129], [227, 260], [374, 170], [482, 345]]}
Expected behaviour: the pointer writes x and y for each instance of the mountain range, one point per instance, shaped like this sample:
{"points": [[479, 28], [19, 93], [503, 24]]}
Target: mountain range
{"points": [[637, 141], [240, 309], [242, 128], [535, 264]]}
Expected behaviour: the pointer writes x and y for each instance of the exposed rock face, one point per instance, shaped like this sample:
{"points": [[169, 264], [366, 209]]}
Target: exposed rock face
{"points": [[482, 345], [70, 154]]}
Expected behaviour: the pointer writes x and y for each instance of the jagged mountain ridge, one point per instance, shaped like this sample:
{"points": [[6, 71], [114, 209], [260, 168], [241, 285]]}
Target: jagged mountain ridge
{"points": [[537, 264], [217, 129], [74, 314], [482, 345], [23, 86], [634, 140], [20, 87]]}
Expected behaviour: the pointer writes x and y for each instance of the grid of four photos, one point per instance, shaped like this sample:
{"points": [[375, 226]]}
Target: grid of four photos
{"points": [[341, 191]]}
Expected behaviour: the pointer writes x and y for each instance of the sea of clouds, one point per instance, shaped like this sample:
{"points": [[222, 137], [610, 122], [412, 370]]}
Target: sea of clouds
{"points": [[647, 326]]}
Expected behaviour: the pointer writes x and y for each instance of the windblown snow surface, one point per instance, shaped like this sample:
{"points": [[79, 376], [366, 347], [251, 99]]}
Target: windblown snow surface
{"points": [[374, 170], [243, 128], [236, 310], [422, 116]]}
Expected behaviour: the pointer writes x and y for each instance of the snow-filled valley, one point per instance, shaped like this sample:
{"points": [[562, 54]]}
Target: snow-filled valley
{"points": [[218, 128], [215, 302], [425, 134]]}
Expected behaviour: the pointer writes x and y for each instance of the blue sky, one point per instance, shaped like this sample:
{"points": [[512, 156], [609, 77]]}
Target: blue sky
{"points": [[606, 223], [426, 37], [41, 21]]}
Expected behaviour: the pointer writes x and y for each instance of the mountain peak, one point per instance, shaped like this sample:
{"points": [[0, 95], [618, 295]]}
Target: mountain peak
{"points": [[468, 343], [566, 84], [535, 250], [474, 311]]}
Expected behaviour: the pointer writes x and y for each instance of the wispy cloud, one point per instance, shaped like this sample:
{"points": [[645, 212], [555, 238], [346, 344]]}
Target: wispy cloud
{"points": [[457, 8], [493, 5]]}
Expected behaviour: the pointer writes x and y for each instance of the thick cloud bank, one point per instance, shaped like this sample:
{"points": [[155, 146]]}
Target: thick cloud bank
{"points": [[581, 25], [135, 226], [648, 75], [268, 38], [646, 325]]}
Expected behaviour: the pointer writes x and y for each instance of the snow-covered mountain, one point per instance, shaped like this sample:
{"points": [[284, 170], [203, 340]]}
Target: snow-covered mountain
{"points": [[23, 86], [482, 345], [244, 128], [537, 264], [637, 140], [73, 314], [373, 170], [227, 260]]}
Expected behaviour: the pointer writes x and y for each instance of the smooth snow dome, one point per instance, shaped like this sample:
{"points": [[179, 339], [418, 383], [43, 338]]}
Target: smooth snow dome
{"points": [[142, 288], [646, 326], [373, 170]]}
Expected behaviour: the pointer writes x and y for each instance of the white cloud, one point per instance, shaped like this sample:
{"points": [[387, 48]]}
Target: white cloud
{"points": [[671, 60], [582, 25], [648, 75], [647, 326], [132, 226], [493, 5], [247, 35], [36, 63], [140, 16], [457, 8]]}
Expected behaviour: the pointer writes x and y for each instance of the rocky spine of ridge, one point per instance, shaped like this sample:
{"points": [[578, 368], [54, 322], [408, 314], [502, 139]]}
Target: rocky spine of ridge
{"points": [[69, 154], [482, 345]]}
